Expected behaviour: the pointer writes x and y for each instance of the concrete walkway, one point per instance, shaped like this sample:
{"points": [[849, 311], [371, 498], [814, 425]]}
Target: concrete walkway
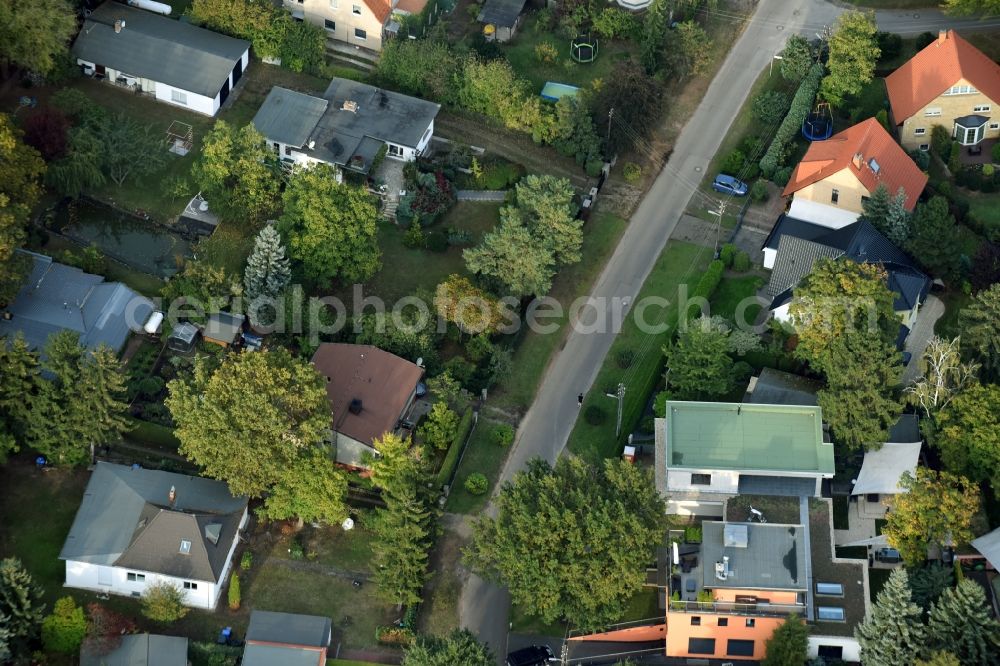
{"points": [[481, 195], [920, 336]]}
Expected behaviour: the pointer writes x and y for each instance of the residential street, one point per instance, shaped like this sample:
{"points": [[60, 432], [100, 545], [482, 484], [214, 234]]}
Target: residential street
{"points": [[547, 425]]}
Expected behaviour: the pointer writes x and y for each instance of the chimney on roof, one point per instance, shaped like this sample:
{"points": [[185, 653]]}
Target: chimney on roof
{"points": [[172, 496], [350, 105], [942, 35], [858, 160]]}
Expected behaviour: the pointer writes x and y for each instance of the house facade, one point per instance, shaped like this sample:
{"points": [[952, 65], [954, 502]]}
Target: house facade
{"points": [[139, 527], [707, 452], [361, 23], [835, 177], [949, 83], [177, 63], [349, 127]]}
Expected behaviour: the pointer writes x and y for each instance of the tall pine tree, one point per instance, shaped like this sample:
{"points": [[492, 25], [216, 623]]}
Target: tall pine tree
{"points": [[960, 623], [893, 632], [18, 385], [267, 273], [21, 606], [788, 644]]}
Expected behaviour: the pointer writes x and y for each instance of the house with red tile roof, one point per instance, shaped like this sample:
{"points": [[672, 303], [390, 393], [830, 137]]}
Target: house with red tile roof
{"points": [[364, 24], [835, 177], [949, 83]]}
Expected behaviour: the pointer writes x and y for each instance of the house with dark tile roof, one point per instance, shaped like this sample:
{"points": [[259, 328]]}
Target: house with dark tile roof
{"points": [[949, 83], [139, 527], [835, 177]]}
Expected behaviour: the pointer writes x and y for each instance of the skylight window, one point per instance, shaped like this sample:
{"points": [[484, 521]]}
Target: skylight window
{"points": [[874, 165], [185, 547]]}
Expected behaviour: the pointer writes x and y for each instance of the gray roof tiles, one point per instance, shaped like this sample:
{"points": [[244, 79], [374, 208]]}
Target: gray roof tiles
{"points": [[289, 117], [289, 629], [159, 48], [140, 650], [502, 13], [794, 261]]}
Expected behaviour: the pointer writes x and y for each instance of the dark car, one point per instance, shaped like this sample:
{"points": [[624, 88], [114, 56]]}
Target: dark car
{"points": [[531, 656], [729, 185], [888, 555]]}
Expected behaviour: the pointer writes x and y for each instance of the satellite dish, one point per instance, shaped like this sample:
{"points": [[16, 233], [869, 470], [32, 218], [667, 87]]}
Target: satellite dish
{"points": [[348, 524], [420, 361]]}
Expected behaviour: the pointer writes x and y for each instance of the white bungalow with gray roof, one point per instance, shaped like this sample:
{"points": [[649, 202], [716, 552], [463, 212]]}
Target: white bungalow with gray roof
{"points": [[138, 527], [347, 126], [178, 63]]}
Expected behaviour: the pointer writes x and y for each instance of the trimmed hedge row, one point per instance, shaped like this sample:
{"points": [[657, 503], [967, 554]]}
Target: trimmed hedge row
{"points": [[800, 109], [455, 449]]}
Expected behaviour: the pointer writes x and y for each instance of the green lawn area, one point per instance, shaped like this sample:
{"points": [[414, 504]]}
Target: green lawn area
{"points": [[331, 546], [482, 455], [985, 208], [954, 300], [521, 53], [734, 290], [680, 263], [532, 356], [522, 623], [643, 605]]}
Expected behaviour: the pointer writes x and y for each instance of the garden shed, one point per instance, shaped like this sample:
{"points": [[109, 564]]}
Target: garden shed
{"points": [[183, 337], [223, 328]]}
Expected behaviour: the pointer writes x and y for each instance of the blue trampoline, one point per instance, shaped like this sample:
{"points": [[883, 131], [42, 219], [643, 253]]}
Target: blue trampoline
{"points": [[819, 125]]}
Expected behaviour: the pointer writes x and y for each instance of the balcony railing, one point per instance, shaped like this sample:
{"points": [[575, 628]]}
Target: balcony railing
{"points": [[732, 608]]}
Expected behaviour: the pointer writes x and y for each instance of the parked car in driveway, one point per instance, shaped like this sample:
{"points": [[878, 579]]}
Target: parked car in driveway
{"points": [[536, 655], [888, 555], [730, 185]]}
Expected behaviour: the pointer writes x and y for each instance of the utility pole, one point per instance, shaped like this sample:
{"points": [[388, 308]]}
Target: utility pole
{"points": [[611, 116], [620, 396], [776, 57], [718, 227], [564, 654]]}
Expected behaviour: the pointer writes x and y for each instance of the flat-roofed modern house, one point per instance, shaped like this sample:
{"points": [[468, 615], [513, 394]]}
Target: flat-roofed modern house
{"points": [[56, 297], [707, 452], [949, 83], [139, 527], [347, 127], [287, 639], [178, 63], [370, 392], [832, 181]]}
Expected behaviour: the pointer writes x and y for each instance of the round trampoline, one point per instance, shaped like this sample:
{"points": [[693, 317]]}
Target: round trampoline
{"points": [[819, 125], [583, 49]]}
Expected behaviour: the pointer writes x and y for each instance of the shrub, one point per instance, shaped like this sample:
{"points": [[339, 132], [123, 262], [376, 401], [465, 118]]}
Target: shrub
{"points": [[450, 461], [479, 347], [459, 237], [615, 22], [164, 602], [65, 628], [632, 172], [798, 111], [758, 191], [546, 52], [989, 170], [234, 592], [476, 483], [921, 158], [295, 550], [741, 262], [692, 534], [925, 39], [246, 561], [414, 237], [782, 176], [503, 434], [726, 254], [593, 167], [390, 635], [733, 163], [890, 44], [625, 358], [150, 387], [941, 142], [883, 118], [770, 107], [709, 281], [955, 159], [594, 415]]}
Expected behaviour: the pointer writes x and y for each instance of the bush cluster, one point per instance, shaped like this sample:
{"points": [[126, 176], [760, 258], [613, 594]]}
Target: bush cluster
{"points": [[799, 110], [477, 483]]}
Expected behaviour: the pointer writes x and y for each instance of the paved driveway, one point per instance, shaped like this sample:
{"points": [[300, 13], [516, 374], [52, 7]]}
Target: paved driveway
{"points": [[921, 335]]}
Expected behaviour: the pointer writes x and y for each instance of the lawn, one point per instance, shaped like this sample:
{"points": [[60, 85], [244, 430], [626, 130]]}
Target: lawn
{"points": [[643, 605], [520, 52], [332, 546], [680, 263], [735, 290], [783, 510], [532, 356], [985, 209], [482, 455], [947, 326], [522, 623]]}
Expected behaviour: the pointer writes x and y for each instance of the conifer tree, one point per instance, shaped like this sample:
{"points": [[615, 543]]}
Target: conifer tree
{"points": [[788, 644], [893, 632], [21, 606], [18, 385], [267, 273], [960, 622]]}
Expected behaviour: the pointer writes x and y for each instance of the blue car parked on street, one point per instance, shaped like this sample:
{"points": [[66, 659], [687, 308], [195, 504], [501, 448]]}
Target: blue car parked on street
{"points": [[729, 185]]}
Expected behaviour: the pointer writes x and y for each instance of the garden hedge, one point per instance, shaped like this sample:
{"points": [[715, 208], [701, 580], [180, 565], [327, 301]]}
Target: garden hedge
{"points": [[455, 449], [800, 109]]}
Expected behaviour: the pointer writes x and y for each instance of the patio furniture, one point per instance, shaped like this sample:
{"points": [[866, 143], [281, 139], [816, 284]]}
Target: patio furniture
{"points": [[976, 149]]}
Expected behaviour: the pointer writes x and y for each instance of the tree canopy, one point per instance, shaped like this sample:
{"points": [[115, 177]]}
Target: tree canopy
{"points": [[967, 7], [960, 622], [19, 383], [788, 645], [330, 228], [21, 168], [943, 375], [893, 632], [967, 434], [796, 58], [34, 35], [853, 53], [267, 273], [698, 362], [933, 241], [512, 259], [933, 508], [21, 608], [471, 309], [546, 206], [458, 647], [980, 326], [570, 541]]}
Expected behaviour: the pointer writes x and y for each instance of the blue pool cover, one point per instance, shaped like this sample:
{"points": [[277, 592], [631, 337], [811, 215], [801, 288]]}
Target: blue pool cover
{"points": [[552, 91]]}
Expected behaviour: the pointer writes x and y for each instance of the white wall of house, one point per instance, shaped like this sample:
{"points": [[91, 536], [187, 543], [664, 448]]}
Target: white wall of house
{"points": [[721, 481], [691, 507], [782, 314], [851, 648], [769, 255]]}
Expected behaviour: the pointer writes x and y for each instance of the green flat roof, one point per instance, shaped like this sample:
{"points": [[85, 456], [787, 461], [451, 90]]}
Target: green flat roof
{"points": [[747, 437]]}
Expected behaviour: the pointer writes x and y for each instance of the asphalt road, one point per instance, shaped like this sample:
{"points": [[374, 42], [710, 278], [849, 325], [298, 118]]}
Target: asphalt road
{"points": [[484, 608]]}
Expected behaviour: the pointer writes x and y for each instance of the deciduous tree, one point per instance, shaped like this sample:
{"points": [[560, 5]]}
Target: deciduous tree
{"points": [[459, 647], [130, 150], [853, 53], [968, 434], [934, 508], [980, 326], [20, 605], [967, 7], [440, 427], [511, 258], [163, 602], [34, 35], [630, 101], [21, 168], [46, 131], [63, 631], [788, 645], [893, 633], [80, 169], [961, 623], [570, 541], [330, 228], [238, 174], [458, 301], [688, 50], [943, 376]]}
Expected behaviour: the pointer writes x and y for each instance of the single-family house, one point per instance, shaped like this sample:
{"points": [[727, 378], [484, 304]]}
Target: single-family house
{"points": [[364, 24], [56, 297], [950, 83], [347, 127], [287, 639], [136, 650], [370, 392], [835, 177], [794, 246], [707, 452], [500, 18], [139, 527], [175, 62]]}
